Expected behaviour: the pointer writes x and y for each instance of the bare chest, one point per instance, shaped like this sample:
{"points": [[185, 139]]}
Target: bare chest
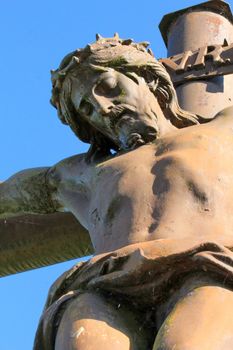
{"points": [[157, 191]]}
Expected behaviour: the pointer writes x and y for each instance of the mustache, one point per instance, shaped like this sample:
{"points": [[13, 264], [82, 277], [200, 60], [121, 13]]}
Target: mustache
{"points": [[118, 110]]}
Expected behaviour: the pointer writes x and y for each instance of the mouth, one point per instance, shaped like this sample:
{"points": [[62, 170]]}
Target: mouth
{"points": [[135, 140], [134, 134]]}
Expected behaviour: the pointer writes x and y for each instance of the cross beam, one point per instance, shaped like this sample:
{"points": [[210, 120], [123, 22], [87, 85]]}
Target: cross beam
{"points": [[204, 63], [32, 241]]}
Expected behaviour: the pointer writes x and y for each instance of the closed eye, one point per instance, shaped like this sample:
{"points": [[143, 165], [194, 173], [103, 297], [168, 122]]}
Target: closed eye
{"points": [[108, 87]]}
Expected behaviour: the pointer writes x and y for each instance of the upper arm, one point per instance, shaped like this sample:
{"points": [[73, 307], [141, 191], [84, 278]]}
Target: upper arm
{"points": [[27, 192], [69, 183]]}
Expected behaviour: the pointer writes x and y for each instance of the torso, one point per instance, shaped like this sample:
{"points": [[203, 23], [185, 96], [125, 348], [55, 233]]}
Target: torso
{"points": [[180, 186]]}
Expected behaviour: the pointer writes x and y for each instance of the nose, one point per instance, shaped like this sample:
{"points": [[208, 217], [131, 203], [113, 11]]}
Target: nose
{"points": [[105, 109], [103, 104]]}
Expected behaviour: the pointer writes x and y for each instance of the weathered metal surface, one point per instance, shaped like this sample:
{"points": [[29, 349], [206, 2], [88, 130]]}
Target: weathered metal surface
{"points": [[207, 24], [207, 61], [215, 6], [41, 240]]}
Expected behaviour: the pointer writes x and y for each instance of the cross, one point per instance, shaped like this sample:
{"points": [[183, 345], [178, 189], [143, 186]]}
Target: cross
{"points": [[201, 66]]}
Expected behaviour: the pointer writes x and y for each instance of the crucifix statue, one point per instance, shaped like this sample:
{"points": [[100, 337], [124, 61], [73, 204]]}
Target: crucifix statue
{"points": [[154, 191]]}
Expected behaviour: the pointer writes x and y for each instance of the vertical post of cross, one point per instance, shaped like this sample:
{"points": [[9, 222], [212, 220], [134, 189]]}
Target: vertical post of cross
{"points": [[209, 23]]}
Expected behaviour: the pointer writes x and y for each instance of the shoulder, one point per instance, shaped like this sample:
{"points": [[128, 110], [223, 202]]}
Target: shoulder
{"points": [[226, 113], [68, 167]]}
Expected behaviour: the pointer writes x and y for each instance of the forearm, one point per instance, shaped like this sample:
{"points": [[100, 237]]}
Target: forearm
{"points": [[26, 192]]}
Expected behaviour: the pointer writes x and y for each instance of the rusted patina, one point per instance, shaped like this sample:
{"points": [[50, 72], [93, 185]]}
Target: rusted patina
{"points": [[214, 6], [204, 63], [192, 29]]}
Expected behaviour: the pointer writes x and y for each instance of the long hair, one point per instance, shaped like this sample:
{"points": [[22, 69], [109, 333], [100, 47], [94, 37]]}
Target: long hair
{"points": [[126, 57]]}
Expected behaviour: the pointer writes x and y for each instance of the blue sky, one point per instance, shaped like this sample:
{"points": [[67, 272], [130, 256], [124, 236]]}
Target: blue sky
{"points": [[35, 35]]}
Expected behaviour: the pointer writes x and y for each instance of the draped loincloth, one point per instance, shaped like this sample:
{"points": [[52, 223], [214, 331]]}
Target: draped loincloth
{"points": [[146, 273]]}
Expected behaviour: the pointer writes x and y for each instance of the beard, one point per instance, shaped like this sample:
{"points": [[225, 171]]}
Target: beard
{"points": [[132, 130]]}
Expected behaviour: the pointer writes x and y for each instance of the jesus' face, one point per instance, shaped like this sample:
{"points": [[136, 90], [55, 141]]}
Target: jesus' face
{"points": [[119, 106]]}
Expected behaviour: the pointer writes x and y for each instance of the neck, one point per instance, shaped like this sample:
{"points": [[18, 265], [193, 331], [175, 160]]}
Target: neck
{"points": [[164, 125]]}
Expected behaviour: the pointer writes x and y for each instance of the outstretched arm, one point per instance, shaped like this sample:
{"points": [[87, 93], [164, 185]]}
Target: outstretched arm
{"points": [[27, 192], [32, 233]]}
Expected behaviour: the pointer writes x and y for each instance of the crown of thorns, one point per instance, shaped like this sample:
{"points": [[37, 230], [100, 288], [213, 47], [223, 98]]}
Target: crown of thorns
{"points": [[79, 56]]}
